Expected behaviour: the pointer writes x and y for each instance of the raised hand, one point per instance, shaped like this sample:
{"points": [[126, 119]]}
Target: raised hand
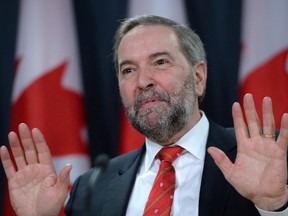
{"points": [[259, 172], [34, 187]]}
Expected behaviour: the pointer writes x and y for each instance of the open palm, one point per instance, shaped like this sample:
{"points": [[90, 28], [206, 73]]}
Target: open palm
{"points": [[34, 188], [259, 172]]}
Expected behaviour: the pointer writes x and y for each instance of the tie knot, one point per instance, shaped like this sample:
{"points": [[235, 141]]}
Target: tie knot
{"points": [[169, 154]]}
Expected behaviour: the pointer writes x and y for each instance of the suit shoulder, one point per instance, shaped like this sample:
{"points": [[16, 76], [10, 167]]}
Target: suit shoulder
{"points": [[117, 163], [221, 132], [124, 157]]}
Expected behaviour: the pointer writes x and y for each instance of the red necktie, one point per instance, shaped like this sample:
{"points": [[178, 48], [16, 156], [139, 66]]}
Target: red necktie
{"points": [[161, 195]]}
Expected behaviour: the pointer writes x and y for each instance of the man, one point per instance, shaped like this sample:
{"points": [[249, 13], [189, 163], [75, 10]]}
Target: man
{"points": [[162, 72]]}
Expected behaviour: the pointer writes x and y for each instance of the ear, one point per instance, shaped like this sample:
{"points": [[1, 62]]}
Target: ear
{"points": [[200, 77]]}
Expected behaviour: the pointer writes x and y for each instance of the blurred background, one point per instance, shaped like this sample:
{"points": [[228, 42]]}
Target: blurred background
{"points": [[56, 70]]}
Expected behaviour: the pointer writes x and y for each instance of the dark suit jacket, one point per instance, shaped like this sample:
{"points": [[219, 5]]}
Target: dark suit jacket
{"points": [[113, 189]]}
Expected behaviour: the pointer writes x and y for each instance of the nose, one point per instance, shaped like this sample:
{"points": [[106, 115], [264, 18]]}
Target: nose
{"points": [[145, 79]]}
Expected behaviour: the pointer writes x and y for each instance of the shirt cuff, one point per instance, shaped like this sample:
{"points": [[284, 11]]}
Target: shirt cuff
{"points": [[271, 213]]}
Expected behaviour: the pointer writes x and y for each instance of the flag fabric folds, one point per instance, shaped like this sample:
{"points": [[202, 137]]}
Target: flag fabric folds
{"points": [[171, 9], [47, 89], [264, 57]]}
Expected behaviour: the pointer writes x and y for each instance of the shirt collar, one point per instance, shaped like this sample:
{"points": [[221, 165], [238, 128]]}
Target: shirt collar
{"points": [[194, 142]]}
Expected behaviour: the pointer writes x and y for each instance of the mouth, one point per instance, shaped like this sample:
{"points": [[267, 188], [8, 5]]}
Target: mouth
{"points": [[149, 103], [150, 100]]}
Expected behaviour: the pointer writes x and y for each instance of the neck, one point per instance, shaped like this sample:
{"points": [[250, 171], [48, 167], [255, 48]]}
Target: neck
{"points": [[193, 121]]}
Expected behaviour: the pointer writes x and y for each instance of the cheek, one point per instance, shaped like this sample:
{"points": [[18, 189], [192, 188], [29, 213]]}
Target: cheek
{"points": [[174, 78], [172, 84], [127, 94]]}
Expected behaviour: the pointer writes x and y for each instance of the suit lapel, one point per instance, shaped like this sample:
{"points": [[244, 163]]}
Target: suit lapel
{"points": [[123, 184], [214, 188]]}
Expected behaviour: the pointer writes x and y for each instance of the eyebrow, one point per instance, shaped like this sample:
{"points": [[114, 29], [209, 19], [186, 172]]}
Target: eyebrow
{"points": [[126, 62], [151, 56], [161, 53]]}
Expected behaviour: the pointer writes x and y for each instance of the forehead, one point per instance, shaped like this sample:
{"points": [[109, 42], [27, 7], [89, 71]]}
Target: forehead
{"points": [[147, 39]]}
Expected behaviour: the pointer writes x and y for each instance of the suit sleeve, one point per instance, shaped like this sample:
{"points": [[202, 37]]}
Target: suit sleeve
{"points": [[68, 208]]}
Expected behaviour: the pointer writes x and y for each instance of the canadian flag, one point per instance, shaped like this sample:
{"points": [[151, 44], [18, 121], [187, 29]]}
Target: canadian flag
{"points": [[264, 57], [47, 90], [130, 138]]}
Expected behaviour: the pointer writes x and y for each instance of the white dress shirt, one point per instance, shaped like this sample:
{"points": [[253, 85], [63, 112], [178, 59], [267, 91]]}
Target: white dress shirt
{"points": [[188, 168]]}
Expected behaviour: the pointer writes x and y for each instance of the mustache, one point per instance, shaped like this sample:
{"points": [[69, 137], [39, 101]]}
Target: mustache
{"points": [[152, 94]]}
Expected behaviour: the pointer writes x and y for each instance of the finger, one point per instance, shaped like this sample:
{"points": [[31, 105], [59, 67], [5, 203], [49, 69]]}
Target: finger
{"points": [[7, 162], [64, 175], [222, 161], [239, 124], [64, 180], [282, 139], [17, 150], [251, 116], [268, 118], [28, 144], [44, 155]]}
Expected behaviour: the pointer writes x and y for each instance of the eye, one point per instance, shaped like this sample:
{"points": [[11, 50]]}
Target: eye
{"points": [[126, 71], [161, 61], [162, 64]]}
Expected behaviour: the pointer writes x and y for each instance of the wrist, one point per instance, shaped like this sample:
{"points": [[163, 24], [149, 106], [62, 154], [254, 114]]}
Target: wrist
{"points": [[275, 204], [282, 208]]}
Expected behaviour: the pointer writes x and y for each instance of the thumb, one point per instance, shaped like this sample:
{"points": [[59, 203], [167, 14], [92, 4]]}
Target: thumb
{"points": [[221, 160], [64, 177]]}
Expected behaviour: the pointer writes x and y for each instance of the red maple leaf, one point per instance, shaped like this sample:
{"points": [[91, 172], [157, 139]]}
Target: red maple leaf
{"points": [[55, 110]]}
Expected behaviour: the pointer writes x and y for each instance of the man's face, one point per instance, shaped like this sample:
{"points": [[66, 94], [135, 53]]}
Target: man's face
{"points": [[156, 83]]}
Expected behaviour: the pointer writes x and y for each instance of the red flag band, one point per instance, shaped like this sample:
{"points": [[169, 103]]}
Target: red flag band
{"points": [[47, 90], [264, 57]]}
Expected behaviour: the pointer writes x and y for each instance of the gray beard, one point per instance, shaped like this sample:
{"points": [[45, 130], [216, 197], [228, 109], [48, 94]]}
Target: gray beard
{"points": [[172, 116]]}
